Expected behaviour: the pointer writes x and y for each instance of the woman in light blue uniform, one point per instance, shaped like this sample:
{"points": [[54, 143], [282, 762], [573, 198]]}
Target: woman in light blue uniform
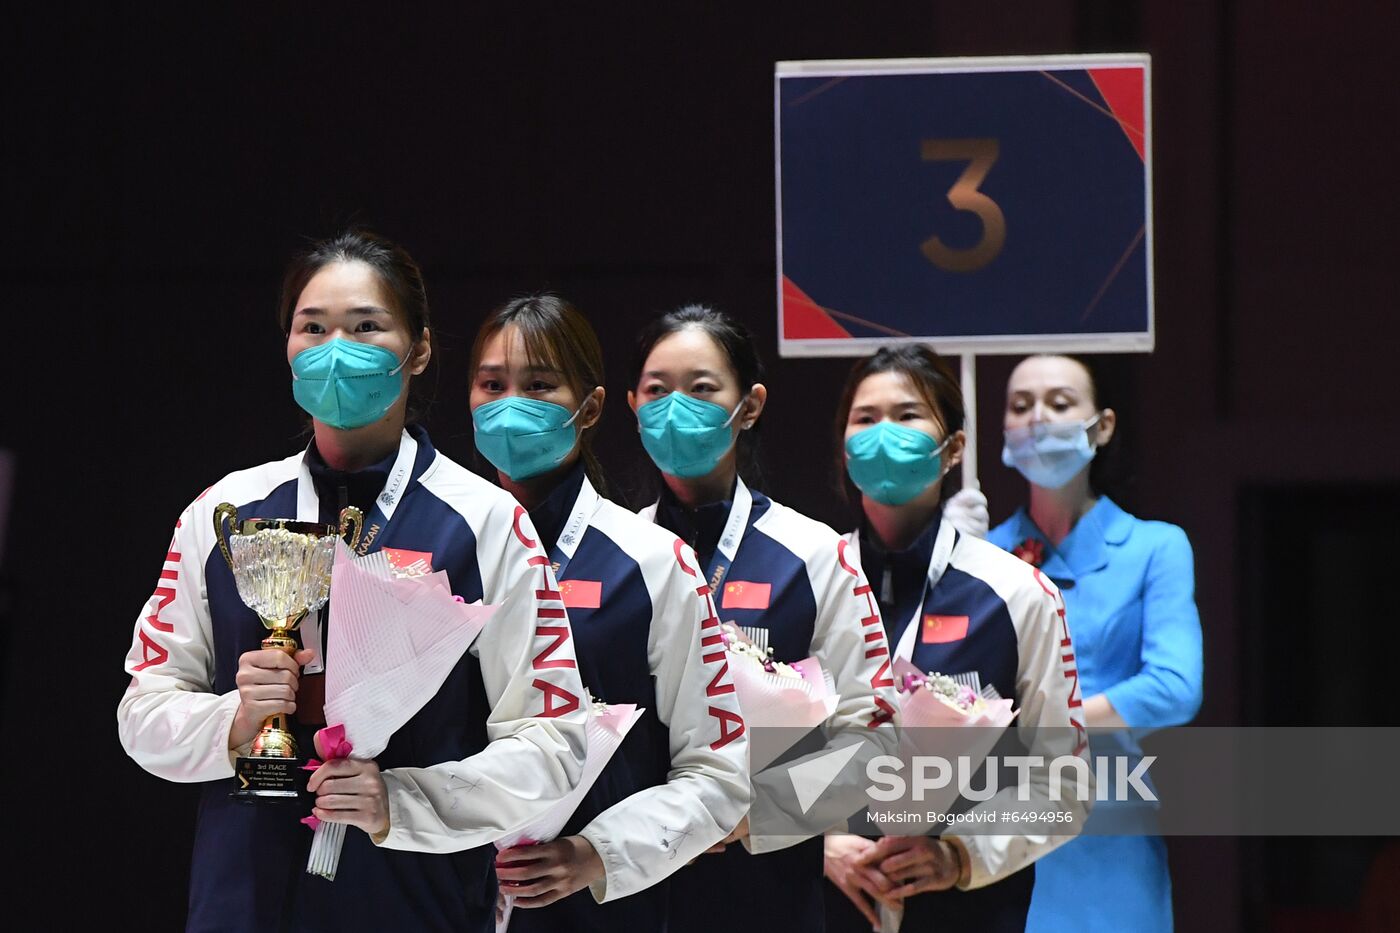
{"points": [[1128, 587], [642, 618]]}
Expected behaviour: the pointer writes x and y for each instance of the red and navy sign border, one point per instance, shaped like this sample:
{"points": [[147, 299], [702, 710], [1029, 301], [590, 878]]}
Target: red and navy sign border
{"points": [[806, 329]]}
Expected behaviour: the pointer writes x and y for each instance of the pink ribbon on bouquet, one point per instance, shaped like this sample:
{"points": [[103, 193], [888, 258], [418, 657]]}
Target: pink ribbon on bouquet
{"points": [[527, 841], [331, 743], [504, 923]]}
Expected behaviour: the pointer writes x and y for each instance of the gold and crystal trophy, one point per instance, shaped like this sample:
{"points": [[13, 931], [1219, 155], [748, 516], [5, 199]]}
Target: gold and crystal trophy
{"points": [[283, 571]]}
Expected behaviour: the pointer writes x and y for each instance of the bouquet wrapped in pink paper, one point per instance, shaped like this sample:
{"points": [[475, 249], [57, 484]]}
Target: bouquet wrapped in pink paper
{"points": [[932, 706], [395, 635], [934, 699], [773, 695], [608, 725]]}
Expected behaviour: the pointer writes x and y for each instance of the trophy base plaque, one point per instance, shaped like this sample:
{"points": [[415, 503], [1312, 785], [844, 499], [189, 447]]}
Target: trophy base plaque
{"points": [[269, 779]]}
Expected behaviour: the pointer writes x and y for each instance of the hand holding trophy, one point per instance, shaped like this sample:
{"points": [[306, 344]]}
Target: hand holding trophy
{"points": [[282, 569]]}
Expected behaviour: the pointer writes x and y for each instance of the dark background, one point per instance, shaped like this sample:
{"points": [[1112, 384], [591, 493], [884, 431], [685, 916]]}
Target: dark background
{"points": [[163, 167]]}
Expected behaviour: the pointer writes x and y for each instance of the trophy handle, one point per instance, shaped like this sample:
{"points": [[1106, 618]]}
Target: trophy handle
{"points": [[225, 510], [352, 524]]}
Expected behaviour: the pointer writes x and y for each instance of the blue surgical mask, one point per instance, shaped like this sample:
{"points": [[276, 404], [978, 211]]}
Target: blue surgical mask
{"points": [[892, 463], [524, 437], [686, 436], [1049, 455], [347, 384]]}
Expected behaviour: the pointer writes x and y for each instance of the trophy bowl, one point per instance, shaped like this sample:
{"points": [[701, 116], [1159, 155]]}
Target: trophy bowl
{"points": [[282, 569]]}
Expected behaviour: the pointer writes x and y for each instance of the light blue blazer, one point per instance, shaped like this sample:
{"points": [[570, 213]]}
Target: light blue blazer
{"points": [[1129, 590]]}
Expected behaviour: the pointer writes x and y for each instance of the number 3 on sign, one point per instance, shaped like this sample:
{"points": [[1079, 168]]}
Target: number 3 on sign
{"points": [[979, 154]]}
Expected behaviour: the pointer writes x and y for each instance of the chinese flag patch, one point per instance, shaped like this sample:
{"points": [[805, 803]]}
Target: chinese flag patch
{"points": [[744, 594], [581, 594], [409, 563], [939, 630]]}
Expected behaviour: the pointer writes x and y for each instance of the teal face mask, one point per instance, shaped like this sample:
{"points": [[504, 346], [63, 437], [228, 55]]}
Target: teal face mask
{"points": [[346, 384], [686, 436], [524, 437], [892, 463]]}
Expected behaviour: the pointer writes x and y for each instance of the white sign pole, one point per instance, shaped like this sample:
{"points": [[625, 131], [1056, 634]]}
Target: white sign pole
{"points": [[969, 388]]}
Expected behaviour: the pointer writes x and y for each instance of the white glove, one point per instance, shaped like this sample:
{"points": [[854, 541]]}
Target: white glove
{"points": [[967, 510]]}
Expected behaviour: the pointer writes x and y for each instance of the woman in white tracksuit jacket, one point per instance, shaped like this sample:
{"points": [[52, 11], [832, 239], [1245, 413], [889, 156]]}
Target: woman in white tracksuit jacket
{"points": [[499, 743], [698, 394], [644, 628], [953, 604]]}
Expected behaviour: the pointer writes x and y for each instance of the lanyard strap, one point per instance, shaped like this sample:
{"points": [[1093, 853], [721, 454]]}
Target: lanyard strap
{"points": [[937, 564], [584, 506], [385, 504], [730, 538]]}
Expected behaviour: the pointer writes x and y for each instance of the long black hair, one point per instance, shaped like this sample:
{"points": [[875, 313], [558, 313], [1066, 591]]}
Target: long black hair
{"points": [[739, 348]]}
